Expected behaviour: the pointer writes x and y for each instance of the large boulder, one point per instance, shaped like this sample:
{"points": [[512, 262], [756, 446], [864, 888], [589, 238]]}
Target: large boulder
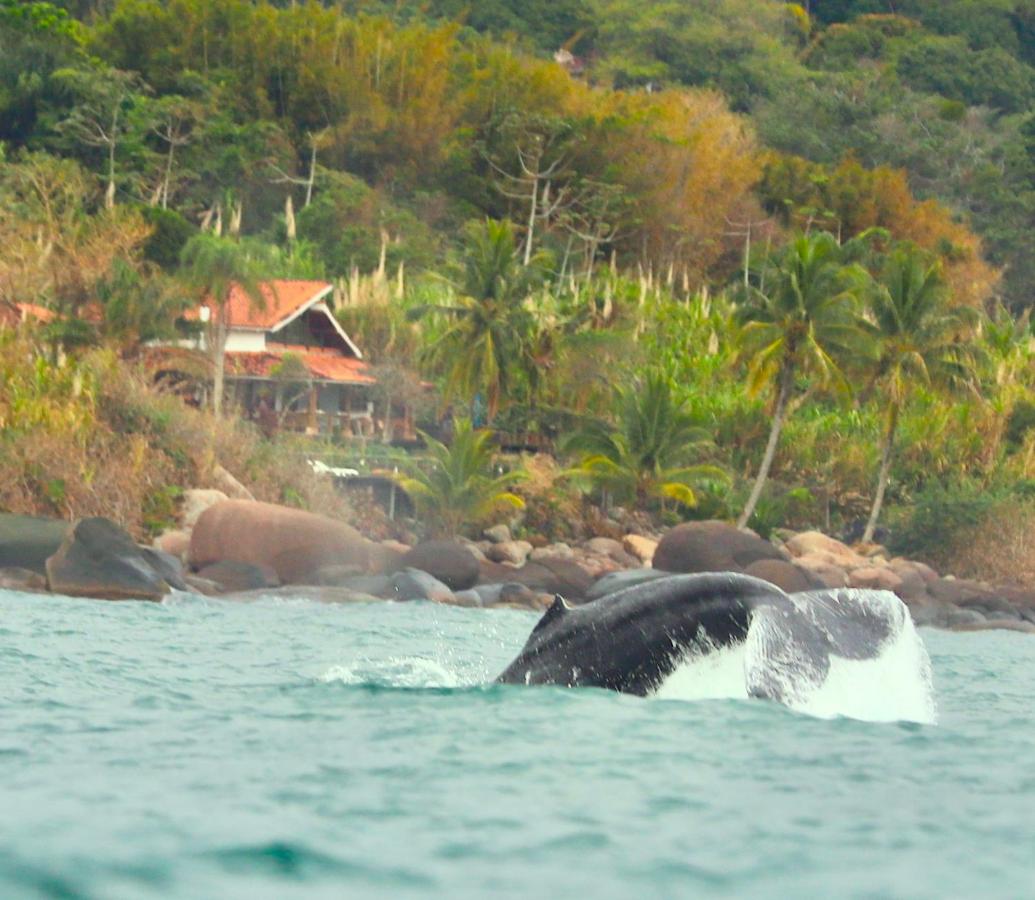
{"points": [[510, 594], [914, 580], [175, 543], [820, 565], [98, 559], [448, 561], [195, 502], [711, 547], [604, 546], [295, 544], [786, 576], [815, 544], [27, 542], [551, 575], [513, 552], [643, 548], [413, 584], [875, 578], [231, 576]]}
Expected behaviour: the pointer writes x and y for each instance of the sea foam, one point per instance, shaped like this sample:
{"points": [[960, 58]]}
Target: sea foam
{"points": [[893, 684]]}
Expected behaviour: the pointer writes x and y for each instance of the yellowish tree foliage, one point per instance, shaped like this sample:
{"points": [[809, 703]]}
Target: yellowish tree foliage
{"points": [[51, 249], [849, 198]]}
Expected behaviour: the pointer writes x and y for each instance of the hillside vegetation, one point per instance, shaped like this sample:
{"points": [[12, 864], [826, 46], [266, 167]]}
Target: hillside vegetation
{"points": [[807, 228]]}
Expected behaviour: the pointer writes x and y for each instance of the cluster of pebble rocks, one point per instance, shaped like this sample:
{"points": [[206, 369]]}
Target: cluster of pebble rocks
{"points": [[243, 549]]}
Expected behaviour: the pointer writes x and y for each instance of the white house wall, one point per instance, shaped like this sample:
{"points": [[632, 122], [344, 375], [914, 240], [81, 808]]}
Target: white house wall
{"points": [[246, 341]]}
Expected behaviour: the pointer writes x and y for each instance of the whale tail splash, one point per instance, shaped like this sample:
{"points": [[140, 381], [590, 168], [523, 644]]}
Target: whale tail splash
{"points": [[848, 652]]}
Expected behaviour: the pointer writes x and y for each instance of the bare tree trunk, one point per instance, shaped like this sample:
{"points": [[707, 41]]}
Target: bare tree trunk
{"points": [[312, 176], [779, 417], [885, 472], [532, 211], [168, 176], [109, 194]]}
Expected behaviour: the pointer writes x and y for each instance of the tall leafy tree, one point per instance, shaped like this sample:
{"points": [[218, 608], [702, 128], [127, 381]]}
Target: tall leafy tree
{"points": [[801, 317], [486, 341], [919, 340]]}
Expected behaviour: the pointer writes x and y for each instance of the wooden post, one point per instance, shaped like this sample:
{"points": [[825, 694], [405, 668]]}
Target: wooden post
{"points": [[311, 424]]}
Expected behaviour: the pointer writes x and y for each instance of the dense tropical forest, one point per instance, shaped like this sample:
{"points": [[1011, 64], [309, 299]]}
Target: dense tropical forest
{"points": [[741, 259]]}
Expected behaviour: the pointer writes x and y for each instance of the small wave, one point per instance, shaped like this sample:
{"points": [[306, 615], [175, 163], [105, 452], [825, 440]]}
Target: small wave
{"points": [[395, 672]]}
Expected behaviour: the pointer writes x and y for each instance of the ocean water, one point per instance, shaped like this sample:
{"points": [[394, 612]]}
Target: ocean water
{"points": [[283, 749]]}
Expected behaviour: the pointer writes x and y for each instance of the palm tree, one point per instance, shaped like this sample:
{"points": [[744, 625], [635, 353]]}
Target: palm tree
{"points": [[918, 337], [460, 488], [647, 453], [800, 318], [212, 266], [486, 343]]}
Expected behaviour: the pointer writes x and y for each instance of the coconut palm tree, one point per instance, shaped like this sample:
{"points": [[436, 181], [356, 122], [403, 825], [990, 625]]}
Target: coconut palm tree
{"points": [[648, 452], [211, 267], [487, 341], [800, 319], [460, 488], [918, 335]]}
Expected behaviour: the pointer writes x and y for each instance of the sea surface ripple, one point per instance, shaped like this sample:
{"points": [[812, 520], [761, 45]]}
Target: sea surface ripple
{"points": [[198, 748]]}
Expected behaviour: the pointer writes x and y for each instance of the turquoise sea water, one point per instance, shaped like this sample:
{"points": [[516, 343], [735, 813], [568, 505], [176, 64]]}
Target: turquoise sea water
{"points": [[284, 749]]}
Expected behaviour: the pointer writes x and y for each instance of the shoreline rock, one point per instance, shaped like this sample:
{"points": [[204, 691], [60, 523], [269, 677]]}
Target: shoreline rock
{"points": [[243, 549]]}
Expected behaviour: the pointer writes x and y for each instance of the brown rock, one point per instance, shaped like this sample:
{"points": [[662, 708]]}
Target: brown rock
{"points": [[175, 543], [871, 551], [513, 552], [386, 556], [958, 591], [558, 549], [552, 575], [815, 543], [195, 502], [292, 542], [449, 561], [603, 546], [914, 584], [231, 575], [925, 571], [786, 576], [874, 578], [396, 546], [643, 548], [710, 547]]}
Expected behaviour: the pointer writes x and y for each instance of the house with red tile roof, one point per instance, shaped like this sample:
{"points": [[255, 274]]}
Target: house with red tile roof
{"points": [[294, 330]]}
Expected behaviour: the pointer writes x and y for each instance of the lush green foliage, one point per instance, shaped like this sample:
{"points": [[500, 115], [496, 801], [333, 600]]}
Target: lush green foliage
{"points": [[650, 452], [461, 490], [709, 191]]}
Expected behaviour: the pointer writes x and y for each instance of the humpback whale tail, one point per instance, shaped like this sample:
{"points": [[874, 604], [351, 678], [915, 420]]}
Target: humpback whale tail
{"points": [[849, 652], [845, 652]]}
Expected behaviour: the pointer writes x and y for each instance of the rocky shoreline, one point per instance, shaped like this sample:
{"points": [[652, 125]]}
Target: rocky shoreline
{"points": [[243, 549]]}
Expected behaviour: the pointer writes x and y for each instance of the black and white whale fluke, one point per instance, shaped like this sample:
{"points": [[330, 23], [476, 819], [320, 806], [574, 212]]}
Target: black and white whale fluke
{"points": [[840, 651]]}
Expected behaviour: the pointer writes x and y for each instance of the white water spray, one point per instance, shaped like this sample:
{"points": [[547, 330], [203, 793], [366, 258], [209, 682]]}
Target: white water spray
{"points": [[891, 684]]}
